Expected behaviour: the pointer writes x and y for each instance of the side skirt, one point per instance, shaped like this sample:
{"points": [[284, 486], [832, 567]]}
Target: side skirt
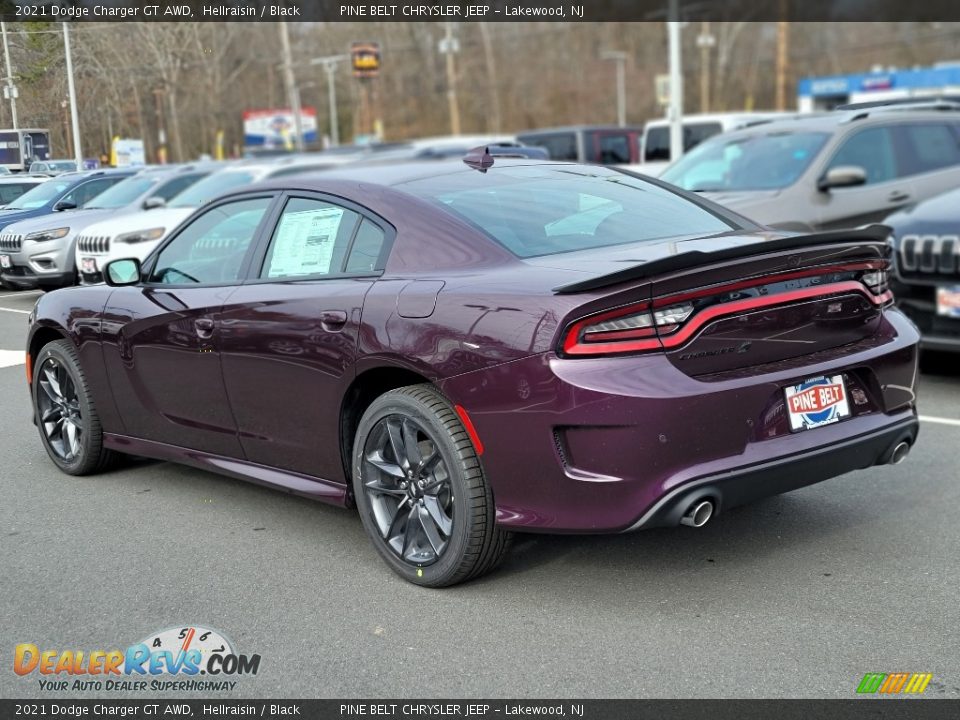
{"points": [[304, 485]]}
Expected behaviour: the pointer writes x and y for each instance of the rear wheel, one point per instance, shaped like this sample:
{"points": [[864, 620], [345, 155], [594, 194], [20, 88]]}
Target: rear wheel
{"points": [[66, 417], [421, 490]]}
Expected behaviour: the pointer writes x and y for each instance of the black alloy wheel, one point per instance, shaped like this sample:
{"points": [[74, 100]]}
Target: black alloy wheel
{"points": [[421, 490]]}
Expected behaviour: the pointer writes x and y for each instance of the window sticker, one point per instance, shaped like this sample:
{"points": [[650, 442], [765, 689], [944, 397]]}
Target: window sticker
{"points": [[303, 244]]}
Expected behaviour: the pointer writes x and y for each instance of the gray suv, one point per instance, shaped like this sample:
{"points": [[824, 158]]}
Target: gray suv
{"points": [[834, 170]]}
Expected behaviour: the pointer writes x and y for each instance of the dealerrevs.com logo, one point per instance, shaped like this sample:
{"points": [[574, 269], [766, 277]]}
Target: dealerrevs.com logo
{"points": [[180, 659]]}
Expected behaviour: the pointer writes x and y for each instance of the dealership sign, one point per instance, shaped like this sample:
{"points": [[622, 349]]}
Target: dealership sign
{"points": [[275, 127], [365, 59]]}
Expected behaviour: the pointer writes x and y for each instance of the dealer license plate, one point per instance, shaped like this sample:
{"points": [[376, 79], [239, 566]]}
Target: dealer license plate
{"points": [[816, 402], [5, 261], [88, 266], [948, 301]]}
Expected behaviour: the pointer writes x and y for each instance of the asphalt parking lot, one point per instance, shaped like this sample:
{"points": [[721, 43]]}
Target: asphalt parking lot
{"points": [[796, 596]]}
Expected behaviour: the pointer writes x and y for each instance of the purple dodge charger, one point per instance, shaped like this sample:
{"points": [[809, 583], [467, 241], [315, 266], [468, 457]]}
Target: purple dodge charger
{"points": [[461, 352]]}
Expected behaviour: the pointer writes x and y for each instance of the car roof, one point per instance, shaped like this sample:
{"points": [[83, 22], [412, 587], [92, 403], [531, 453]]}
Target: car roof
{"points": [[579, 128], [392, 174], [34, 179]]}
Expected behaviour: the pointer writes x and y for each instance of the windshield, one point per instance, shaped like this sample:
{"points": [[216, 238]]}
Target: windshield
{"points": [[768, 161], [209, 188], [39, 196], [543, 210], [65, 165], [122, 194]]}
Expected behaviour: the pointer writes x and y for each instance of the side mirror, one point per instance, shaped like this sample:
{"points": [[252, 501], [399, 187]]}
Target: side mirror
{"points": [[154, 202], [118, 273], [65, 205], [842, 176]]}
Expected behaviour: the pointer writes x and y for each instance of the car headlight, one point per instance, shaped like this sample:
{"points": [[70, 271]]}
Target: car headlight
{"points": [[140, 236], [43, 235]]}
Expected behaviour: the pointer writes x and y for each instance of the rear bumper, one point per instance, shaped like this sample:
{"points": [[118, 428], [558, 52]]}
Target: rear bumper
{"points": [[751, 483], [610, 444]]}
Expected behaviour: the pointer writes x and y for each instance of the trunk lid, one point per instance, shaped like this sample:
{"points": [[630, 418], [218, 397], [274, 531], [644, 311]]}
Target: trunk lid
{"points": [[749, 301]]}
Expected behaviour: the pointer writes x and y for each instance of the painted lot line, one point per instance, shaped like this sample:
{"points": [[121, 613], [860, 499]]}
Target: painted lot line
{"points": [[22, 293], [940, 420], [15, 310], [10, 358]]}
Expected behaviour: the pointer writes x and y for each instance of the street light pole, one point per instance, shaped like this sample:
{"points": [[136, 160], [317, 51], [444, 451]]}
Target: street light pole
{"points": [[449, 45], [11, 89], [72, 92], [675, 111], [291, 84], [330, 68], [620, 58]]}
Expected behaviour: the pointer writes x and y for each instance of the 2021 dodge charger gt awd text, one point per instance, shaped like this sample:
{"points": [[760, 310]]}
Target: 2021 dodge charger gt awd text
{"points": [[464, 352]]}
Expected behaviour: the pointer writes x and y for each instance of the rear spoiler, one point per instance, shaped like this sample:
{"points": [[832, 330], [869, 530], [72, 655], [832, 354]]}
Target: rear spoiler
{"points": [[686, 260]]}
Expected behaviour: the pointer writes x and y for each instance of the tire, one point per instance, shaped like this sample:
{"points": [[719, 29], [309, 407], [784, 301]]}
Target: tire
{"points": [[57, 374], [455, 498]]}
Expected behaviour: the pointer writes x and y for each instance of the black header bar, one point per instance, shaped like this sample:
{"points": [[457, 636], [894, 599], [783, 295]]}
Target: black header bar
{"points": [[476, 10]]}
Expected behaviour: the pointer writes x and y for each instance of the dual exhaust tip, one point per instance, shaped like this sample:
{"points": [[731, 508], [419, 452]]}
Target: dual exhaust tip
{"points": [[700, 512], [899, 452]]}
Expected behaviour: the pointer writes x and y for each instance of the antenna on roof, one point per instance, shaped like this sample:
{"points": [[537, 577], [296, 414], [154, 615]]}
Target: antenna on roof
{"points": [[479, 158]]}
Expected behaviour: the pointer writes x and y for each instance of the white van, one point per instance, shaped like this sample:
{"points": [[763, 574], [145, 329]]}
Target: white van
{"points": [[696, 129]]}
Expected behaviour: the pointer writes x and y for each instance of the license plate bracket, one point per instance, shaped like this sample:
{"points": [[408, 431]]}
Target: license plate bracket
{"points": [[816, 402]]}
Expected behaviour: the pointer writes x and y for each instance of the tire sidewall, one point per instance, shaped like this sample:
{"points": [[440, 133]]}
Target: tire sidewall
{"points": [[439, 572], [56, 352]]}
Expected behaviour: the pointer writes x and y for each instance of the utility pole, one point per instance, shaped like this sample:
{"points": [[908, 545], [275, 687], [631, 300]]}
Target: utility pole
{"points": [[705, 41], [493, 93], [74, 116], [620, 58], [783, 42], [329, 64], [675, 109], [292, 96], [449, 45], [9, 90]]}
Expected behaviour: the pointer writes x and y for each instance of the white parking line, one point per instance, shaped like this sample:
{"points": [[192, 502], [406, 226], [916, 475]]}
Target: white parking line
{"points": [[9, 358], [16, 310], [23, 293], [940, 420]]}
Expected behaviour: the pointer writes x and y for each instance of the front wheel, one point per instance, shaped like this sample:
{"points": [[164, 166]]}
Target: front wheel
{"points": [[421, 491], [65, 414]]}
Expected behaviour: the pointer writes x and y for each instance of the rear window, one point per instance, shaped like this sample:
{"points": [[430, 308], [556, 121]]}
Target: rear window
{"points": [[656, 146], [560, 146], [544, 210]]}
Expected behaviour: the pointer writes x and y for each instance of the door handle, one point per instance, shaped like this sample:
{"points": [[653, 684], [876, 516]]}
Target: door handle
{"points": [[898, 196], [204, 328], [333, 319]]}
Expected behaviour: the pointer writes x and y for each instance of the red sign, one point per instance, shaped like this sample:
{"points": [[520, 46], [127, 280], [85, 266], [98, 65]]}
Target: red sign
{"points": [[816, 399]]}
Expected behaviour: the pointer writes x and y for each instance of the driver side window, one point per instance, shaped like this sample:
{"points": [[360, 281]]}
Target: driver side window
{"points": [[211, 249]]}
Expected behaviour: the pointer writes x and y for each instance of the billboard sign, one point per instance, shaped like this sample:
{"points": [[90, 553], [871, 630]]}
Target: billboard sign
{"points": [[274, 127], [128, 151]]}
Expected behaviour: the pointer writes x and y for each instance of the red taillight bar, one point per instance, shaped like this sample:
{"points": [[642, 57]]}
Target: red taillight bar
{"points": [[572, 344], [737, 306]]}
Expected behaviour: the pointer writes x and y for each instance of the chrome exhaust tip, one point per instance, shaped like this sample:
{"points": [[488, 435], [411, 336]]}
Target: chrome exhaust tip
{"points": [[900, 453], [698, 515]]}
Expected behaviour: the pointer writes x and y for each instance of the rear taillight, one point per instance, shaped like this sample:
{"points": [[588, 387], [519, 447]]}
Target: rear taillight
{"points": [[630, 329], [876, 280], [669, 322]]}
